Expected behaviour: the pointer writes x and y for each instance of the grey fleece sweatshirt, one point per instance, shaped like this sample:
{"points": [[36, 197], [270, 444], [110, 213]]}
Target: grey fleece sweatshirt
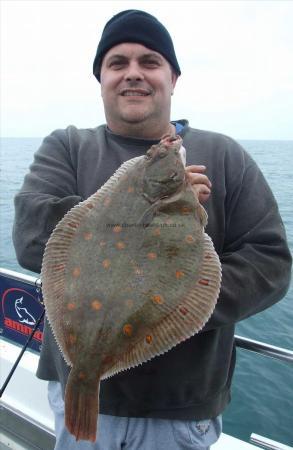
{"points": [[192, 381]]}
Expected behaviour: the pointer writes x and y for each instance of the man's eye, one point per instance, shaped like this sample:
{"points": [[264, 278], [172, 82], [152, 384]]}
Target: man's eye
{"points": [[116, 65], [151, 63]]}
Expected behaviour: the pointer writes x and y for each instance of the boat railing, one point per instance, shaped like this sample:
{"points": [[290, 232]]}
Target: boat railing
{"points": [[264, 349]]}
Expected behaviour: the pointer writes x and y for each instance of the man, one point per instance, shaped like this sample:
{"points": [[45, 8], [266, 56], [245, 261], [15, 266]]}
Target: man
{"points": [[174, 401]]}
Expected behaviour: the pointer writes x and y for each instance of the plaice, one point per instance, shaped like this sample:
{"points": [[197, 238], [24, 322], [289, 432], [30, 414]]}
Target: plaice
{"points": [[127, 275]]}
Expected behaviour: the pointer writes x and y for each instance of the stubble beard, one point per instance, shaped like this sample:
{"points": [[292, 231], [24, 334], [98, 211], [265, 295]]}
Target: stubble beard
{"points": [[149, 123], [134, 124]]}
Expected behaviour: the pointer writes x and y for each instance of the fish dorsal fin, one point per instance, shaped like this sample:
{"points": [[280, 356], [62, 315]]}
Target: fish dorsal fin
{"points": [[187, 319], [57, 248], [114, 179]]}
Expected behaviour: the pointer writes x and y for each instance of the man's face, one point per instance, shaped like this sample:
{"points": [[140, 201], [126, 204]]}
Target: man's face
{"points": [[136, 86]]}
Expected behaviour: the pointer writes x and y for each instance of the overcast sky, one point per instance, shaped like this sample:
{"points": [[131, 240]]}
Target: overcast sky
{"points": [[236, 59]]}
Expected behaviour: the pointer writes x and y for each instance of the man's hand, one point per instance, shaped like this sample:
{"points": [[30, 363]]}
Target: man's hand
{"points": [[200, 182]]}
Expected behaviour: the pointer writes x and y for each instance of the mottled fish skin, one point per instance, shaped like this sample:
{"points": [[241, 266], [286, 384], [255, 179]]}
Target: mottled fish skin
{"points": [[128, 274]]}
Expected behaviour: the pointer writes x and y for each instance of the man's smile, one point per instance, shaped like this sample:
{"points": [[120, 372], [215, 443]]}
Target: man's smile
{"points": [[134, 92]]}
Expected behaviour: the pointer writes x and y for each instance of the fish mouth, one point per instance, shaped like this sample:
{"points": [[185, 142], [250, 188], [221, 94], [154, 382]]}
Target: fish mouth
{"points": [[135, 92]]}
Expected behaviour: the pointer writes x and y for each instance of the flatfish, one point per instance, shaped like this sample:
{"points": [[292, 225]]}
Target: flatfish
{"points": [[128, 274]]}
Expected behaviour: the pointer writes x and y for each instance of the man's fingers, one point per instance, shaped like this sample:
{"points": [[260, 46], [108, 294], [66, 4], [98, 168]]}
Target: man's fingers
{"points": [[201, 188], [202, 191], [199, 181], [195, 168], [199, 178], [202, 197]]}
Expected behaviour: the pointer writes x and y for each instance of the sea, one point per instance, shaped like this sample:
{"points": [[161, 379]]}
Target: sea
{"points": [[262, 391]]}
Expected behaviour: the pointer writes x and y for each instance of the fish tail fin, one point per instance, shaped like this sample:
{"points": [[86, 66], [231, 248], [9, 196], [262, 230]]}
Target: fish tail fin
{"points": [[82, 405]]}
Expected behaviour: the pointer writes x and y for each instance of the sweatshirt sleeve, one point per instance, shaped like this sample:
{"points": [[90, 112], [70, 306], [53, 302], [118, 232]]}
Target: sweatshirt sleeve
{"points": [[255, 258], [48, 192]]}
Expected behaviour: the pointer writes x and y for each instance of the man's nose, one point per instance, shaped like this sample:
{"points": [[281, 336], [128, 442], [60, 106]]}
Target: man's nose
{"points": [[134, 72]]}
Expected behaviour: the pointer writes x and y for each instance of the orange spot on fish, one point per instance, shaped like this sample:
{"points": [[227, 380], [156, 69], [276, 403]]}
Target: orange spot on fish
{"points": [[189, 238], [179, 274], [183, 310], [208, 256], [203, 281], [96, 305], [102, 243], [157, 232], [89, 205], [186, 210], [82, 375], [88, 236], [72, 339], [107, 201], [71, 306], [152, 255], [158, 299], [117, 229], [130, 189], [108, 359], [76, 272], [128, 329], [106, 263], [120, 245], [149, 339]]}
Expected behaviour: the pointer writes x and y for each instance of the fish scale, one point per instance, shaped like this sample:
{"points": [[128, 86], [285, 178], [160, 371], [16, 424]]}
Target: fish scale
{"points": [[127, 275]]}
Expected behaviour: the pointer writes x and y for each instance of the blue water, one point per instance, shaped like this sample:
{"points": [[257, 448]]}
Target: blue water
{"points": [[262, 395]]}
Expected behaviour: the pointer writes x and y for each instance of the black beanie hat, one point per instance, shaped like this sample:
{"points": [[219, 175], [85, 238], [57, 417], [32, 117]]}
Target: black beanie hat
{"points": [[135, 26]]}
